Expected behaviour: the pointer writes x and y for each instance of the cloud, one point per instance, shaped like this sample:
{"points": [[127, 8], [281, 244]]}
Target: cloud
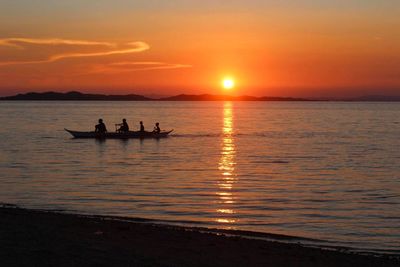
{"points": [[131, 66], [112, 48], [147, 65], [16, 42], [107, 49]]}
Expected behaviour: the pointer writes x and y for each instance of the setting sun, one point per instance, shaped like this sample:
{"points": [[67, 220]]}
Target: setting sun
{"points": [[228, 83]]}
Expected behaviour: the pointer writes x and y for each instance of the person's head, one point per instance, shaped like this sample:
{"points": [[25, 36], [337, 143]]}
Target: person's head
{"points": [[157, 124], [124, 120], [100, 120], [141, 122]]}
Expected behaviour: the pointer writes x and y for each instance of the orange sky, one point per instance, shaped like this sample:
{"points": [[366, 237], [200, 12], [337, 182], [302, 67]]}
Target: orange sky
{"points": [[307, 48]]}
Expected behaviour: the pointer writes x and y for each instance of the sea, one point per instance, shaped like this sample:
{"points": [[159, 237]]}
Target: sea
{"points": [[323, 171]]}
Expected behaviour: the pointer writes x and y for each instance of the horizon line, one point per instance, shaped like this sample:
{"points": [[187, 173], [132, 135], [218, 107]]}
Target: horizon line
{"points": [[151, 97]]}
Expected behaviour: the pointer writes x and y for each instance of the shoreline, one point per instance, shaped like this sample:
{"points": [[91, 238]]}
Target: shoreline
{"points": [[241, 233], [48, 238]]}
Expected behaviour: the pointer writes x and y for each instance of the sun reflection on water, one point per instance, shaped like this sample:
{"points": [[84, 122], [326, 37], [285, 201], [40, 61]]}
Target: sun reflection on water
{"points": [[226, 197]]}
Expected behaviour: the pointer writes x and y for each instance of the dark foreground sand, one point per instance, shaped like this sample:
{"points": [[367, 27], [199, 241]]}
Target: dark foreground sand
{"points": [[37, 238]]}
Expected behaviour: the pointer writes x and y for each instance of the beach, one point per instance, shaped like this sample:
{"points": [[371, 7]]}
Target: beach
{"points": [[44, 238]]}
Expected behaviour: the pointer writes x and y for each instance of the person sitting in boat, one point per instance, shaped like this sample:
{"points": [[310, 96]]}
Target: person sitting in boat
{"points": [[124, 127], [157, 129], [101, 127], [141, 126]]}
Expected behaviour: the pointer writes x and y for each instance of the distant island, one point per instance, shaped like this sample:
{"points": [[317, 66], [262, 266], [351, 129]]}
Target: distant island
{"points": [[78, 96]]}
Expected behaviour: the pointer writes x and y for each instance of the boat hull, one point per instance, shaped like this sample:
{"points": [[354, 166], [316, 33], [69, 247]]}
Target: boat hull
{"points": [[116, 135]]}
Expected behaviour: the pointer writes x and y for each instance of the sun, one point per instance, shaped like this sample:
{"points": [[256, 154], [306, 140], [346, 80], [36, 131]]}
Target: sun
{"points": [[228, 83]]}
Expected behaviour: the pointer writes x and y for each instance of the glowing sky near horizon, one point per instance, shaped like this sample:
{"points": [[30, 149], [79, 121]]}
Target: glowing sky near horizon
{"points": [[296, 48]]}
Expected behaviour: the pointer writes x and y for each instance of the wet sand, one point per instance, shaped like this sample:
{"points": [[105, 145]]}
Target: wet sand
{"points": [[40, 238]]}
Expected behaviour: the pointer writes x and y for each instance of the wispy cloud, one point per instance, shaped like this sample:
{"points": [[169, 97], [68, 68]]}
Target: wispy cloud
{"points": [[99, 49], [112, 49], [18, 42], [132, 66]]}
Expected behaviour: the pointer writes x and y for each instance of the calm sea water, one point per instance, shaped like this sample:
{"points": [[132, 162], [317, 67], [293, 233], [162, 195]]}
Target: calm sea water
{"points": [[321, 170]]}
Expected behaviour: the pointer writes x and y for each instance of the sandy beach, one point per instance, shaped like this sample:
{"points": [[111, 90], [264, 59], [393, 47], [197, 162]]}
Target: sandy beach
{"points": [[41, 238]]}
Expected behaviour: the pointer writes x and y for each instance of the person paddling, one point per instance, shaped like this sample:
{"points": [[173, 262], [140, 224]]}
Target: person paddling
{"points": [[157, 129], [141, 126], [101, 127], [124, 126]]}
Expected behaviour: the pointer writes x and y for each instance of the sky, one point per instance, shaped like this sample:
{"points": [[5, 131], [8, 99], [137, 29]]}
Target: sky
{"points": [[302, 48]]}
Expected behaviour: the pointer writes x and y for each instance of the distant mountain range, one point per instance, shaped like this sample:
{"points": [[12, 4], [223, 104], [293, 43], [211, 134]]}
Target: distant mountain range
{"points": [[78, 96]]}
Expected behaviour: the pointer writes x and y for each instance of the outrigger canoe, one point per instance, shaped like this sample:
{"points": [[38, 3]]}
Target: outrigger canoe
{"points": [[118, 135]]}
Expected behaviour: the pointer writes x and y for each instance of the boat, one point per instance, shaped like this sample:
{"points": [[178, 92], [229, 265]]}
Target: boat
{"points": [[119, 135]]}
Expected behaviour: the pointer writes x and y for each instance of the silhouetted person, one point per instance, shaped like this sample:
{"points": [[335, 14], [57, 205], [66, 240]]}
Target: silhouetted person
{"points": [[157, 128], [141, 126], [124, 126], [101, 127]]}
